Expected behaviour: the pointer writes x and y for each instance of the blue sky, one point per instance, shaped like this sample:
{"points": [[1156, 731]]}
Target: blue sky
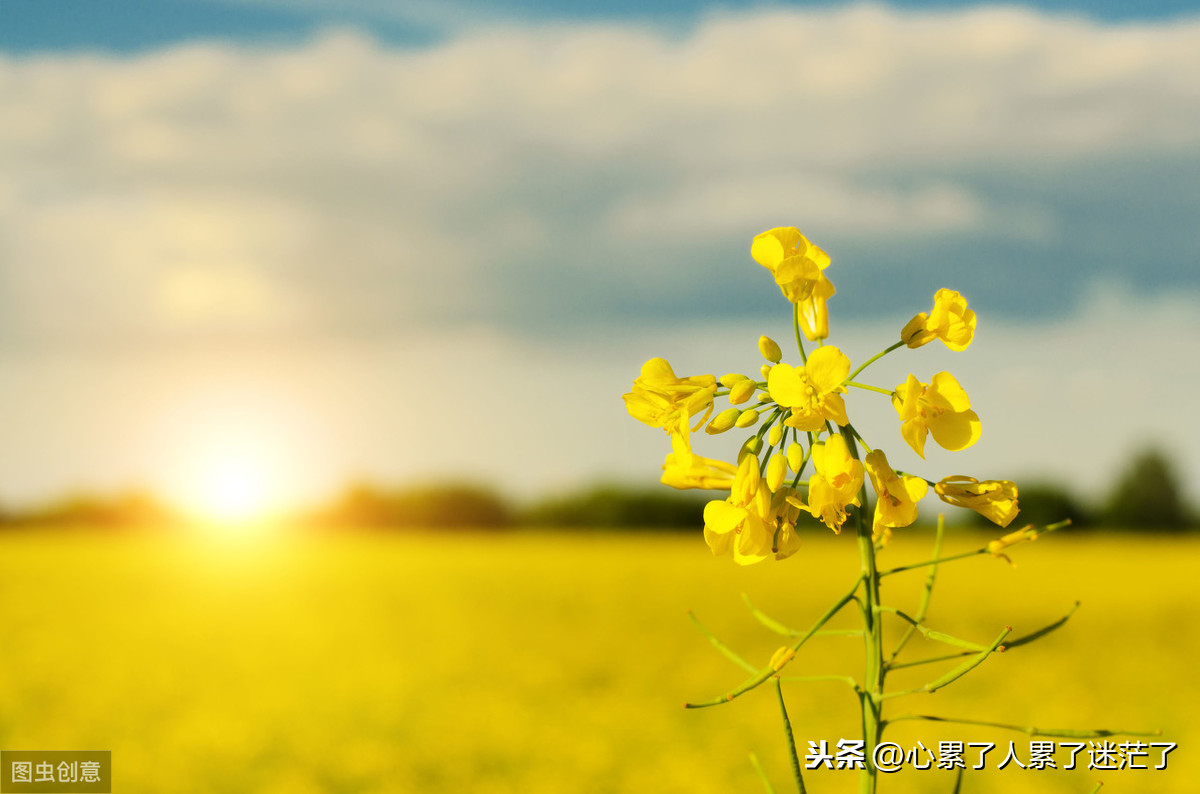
{"points": [[331, 232], [127, 26]]}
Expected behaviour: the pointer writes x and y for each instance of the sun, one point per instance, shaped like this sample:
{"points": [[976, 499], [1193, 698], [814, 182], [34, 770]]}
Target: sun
{"points": [[232, 489], [239, 459]]}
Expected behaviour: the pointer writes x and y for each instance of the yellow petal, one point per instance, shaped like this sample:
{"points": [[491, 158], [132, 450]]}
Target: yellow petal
{"points": [[770, 247], [833, 407], [721, 517], [916, 487], [906, 399], [657, 370], [785, 386], [827, 367], [955, 431], [914, 433], [946, 387]]}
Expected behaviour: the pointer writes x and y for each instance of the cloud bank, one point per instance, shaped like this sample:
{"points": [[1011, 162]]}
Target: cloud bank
{"points": [[541, 176], [514, 219]]}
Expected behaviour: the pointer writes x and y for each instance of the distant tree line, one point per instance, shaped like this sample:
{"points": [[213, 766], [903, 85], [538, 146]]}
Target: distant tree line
{"points": [[1146, 496]]}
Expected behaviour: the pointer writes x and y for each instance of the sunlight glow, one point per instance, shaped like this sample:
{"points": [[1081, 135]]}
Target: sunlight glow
{"points": [[232, 489], [239, 458]]}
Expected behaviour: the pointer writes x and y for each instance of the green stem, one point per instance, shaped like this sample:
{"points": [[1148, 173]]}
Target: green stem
{"points": [[762, 775], [1030, 730], [874, 671], [858, 436], [769, 671], [868, 387], [874, 358], [969, 665], [725, 650], [923, 609], [812, 679], [796, 328], [937, 561], [930, 634]]}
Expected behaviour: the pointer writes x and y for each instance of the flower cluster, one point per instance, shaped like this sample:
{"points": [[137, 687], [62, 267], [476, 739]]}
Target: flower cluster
{"points": [[804, 455]]}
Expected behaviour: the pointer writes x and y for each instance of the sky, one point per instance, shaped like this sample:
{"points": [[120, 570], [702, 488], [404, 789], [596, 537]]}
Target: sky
{"points": [[313, 242]]}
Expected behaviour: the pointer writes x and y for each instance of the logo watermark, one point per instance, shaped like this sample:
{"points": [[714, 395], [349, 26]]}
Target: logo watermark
{"points": [[56, 771]]}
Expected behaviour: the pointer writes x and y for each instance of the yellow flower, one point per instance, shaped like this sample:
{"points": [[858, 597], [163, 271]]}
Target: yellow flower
{"points": [[685, 469], [812, 391], [951, 321], [941, 408], [995, 500], [896, 505], [659, 398], [797, 266], [786, 505], [836, 484], [742, 524]]}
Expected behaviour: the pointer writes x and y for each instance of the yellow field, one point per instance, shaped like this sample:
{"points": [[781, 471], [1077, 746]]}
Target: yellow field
{"points": [[553, 663]]}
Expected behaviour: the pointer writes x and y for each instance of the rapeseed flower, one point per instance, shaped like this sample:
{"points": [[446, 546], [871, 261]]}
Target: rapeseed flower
{"points": [[797, 265], [951, 321], [742, 524], [685, 469], [995, 500], [659, 398], [940, 407], [836, 484], [896, 495], [812, 391], [766, 496]]}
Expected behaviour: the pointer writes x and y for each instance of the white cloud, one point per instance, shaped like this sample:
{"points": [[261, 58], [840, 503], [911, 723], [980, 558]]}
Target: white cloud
{"points": [[720, 208], [530, 176], [432, 171]]}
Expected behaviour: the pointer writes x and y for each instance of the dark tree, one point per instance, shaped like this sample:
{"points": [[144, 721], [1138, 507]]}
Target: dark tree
{"points": [[1147, 495]]}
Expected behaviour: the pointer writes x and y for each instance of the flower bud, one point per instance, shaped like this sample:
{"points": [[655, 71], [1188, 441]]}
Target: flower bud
{"points": [[751, 447], [722, 421], [729, 380], [765, 370], [747, 418], [769, 349], [741, 391], [776, 471], [795, 456], [781, 657], [775, 435]]}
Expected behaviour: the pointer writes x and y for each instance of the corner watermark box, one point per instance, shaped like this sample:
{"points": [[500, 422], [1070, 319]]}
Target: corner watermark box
{"points": [[56, 771]]}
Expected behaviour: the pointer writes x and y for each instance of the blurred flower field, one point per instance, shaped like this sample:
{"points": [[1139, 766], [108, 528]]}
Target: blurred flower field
{"points": [[541, 662]]}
